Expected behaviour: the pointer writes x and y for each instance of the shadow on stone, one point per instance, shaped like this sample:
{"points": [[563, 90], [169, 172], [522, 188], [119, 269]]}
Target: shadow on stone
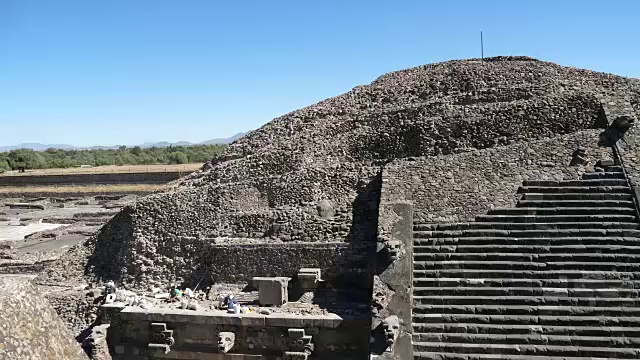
{"points": [[616, 130], [364, 223], [107, 260]]}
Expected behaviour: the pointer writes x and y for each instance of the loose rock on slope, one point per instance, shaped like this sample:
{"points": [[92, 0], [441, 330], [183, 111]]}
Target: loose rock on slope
{"points": [[272, 182]]}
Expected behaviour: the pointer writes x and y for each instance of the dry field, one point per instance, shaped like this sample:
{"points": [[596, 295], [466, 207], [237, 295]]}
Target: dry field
{"points": [[80, 189], [185, 168]]}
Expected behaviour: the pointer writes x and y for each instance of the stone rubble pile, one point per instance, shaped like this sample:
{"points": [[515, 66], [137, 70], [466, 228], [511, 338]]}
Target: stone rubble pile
{"points": [[313, 174], [442, 107]]}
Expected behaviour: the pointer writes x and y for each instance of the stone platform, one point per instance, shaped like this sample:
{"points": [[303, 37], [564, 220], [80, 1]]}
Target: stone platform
{"points": [[135, 333]]}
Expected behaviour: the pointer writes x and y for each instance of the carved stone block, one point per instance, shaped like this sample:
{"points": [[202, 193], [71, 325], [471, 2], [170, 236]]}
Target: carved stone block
{"points": [[272, 290], [160, 337], [391, 326], [297, 345], [226, 340], [309, 278], [394, 247]]}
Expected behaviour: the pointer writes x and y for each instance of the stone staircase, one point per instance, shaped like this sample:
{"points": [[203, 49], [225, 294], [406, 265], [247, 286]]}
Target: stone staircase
{"points": [[557, 277]]}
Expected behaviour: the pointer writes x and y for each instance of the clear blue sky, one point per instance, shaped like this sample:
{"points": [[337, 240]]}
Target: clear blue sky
{"points": [[108, 72]]}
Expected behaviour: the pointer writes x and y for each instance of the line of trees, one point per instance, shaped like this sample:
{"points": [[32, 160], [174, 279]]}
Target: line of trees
{"points": [[58, 158]]}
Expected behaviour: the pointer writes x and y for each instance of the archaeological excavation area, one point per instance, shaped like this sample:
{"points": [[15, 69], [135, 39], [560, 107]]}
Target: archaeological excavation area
{"points": [[43, 215], [470, 209]]}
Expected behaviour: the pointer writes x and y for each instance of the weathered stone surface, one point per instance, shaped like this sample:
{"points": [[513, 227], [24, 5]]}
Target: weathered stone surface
{"points": [[452, 139], [458, 187], [29, 326], [256, 335], [478, 284], [271, 183], [273, 290], [325, 209]]}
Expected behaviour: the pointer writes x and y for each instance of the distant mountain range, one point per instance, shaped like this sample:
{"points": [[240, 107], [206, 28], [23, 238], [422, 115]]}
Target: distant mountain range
{"points": [[43, 147]]}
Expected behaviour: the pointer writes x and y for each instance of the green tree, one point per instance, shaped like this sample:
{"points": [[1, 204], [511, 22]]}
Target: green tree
{"points": [[178, 157], [26, 158], [124, 158], [58, 158], [146, 159], [4, 166]]}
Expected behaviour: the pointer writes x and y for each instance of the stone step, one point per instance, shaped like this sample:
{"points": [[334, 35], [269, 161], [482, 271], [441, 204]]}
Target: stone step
{"points": [[528, 310], [532, 339], [603, 175], [627, 232], [523, 329], [525, 274], [524, 266], [576, 183], [539, 320], [526, 291], [613, 168], [443, 282], [527, 300], [537, 204], [576, 226], [530, 249], [555, 218], [540, 242], [563, 211], [574, 189], [422, 355], [508, 349], [530, 258], [578, 196]]}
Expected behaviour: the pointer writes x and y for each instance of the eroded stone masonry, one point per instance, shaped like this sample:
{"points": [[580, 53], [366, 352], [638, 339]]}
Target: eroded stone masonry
{"points": [[459, 210]]}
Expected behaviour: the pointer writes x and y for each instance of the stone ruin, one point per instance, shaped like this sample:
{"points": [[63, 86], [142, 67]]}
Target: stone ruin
{"points": [[458, 210], [30, 327]]}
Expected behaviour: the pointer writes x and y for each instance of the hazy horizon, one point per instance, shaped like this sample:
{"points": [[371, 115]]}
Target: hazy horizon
{"points": [[143, 144]]}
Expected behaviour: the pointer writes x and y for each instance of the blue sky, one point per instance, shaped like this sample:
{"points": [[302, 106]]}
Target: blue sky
{"points": [[129, 71]]}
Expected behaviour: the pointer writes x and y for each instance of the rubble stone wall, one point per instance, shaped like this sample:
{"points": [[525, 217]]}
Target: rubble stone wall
{"points": [[30, 327], [305, 205], [456, 188], [342, 264], [629, 145], [313, 175]]}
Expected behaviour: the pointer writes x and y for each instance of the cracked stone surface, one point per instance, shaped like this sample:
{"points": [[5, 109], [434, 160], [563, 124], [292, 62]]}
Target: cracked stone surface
{"points": [[30, 327]]}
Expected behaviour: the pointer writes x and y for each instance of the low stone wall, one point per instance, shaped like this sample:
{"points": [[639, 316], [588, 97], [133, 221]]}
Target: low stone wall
{"points": [[342, 264], [30, 328], [456, 188], [84, 179], [188, 260], [66, 194], [257, 336]]}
